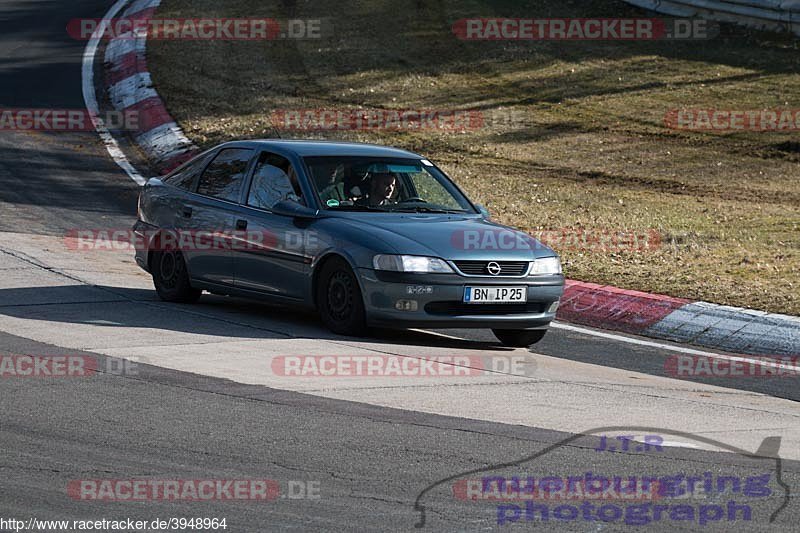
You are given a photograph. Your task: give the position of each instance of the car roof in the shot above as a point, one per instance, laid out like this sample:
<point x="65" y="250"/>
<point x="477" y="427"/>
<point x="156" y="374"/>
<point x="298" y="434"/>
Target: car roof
<point x="304" y="148"/>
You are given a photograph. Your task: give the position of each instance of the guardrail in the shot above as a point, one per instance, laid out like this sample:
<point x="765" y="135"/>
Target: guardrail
<point x="772" y="15"/>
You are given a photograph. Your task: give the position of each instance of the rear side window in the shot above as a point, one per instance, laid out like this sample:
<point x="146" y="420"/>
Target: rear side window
<point x="274" y="180"/>
<point x="223" y="178"/>
<point x="184" y="178"/>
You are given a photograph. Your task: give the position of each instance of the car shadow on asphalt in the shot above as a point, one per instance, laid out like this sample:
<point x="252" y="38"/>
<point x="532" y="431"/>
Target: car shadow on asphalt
<point x="124" y="307"/>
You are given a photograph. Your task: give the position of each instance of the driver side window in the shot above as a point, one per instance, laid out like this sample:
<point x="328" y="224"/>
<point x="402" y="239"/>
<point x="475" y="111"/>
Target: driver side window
<point x="274" y="180"/>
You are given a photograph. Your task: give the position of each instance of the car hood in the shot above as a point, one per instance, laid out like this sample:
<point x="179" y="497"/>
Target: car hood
<point x="453" y="237"/>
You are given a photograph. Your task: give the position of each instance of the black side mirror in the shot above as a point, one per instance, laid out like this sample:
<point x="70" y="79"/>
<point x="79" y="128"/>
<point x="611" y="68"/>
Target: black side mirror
<point x="483" y="211"/>
<point x="288" y="208"/>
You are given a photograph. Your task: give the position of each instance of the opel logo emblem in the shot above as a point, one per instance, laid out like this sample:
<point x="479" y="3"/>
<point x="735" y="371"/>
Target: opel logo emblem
<point x="493" y="268"/>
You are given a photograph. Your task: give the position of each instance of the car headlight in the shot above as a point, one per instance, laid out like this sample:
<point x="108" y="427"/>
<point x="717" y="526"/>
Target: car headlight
<point x="546" y="265"/>
<point x="411" y="263"/>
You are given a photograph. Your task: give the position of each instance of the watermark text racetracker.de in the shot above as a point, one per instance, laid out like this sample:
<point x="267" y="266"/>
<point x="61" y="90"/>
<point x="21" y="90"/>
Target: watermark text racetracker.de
<point x="399" y="366"/>
<point x="43" y="119"/>
<point x="213" y="29"/>
<point x="573" y="239"/>
<point x="731" y="120"/>
<point x="583" y="29"/>
<point x="192" y="490"/>
<point x="120" y="239"/>
<point x="63" y="366"/>
<point x="431" y="120"/>
<point x="743" y="366"/>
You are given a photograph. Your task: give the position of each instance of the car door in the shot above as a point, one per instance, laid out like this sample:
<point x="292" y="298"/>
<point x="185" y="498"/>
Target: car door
<point x="207" y="217"/>
<point x="271" y="257"/>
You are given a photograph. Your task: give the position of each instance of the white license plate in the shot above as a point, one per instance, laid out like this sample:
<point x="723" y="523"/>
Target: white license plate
<point x="479" y="295"/>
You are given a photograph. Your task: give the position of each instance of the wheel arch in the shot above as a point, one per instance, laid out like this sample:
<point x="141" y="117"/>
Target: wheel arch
<point x="153" y="250"/>
<point x="320" y="264"/>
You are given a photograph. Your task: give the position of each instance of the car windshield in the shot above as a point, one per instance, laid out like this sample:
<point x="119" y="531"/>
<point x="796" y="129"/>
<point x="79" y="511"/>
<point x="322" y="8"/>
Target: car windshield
<point x="384" y="185"/>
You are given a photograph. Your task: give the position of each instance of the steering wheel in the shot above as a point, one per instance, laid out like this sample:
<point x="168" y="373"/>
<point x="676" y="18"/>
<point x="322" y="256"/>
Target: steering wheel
<point x="413" y="199"/>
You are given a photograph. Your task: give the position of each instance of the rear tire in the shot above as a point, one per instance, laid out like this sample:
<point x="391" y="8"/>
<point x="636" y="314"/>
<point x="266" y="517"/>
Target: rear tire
<point x="339" y="300"/>
<point x="171" y="278"/>
<point x="519" y="338"/>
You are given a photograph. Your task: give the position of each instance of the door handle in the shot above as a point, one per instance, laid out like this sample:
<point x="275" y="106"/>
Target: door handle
<point x="241" y="224"/>
<point x="186" y="211"/>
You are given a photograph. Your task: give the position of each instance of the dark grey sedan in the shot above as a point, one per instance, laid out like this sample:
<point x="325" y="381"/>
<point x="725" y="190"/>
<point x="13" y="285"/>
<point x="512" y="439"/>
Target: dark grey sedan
<point x="365" y="234"/>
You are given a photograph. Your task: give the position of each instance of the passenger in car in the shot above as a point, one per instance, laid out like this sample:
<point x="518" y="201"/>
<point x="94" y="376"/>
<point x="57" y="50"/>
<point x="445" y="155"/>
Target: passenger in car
<point x="334" y="190"/>
<point x="344" y="186"/>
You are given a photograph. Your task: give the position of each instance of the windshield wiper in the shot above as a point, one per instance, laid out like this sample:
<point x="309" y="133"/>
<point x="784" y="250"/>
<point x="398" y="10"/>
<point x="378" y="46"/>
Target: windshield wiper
<point x="424" y="209"/>
<point x="356" y="207"/>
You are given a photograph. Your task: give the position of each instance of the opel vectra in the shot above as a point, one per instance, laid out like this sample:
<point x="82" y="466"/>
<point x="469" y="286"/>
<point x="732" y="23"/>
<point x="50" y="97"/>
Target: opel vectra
<point x="366" y="235"/>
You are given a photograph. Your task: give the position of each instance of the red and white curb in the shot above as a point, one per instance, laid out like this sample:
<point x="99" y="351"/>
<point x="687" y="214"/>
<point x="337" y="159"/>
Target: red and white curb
<point x="131" y="90"/>
<point x="733" y="329"/>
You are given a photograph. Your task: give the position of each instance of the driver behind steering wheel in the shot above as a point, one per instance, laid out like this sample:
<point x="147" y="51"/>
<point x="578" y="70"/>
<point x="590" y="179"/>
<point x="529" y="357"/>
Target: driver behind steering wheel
<point x="382" y="187"/>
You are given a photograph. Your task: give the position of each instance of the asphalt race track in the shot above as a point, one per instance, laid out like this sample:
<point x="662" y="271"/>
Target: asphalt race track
<point x="200" y="401"/>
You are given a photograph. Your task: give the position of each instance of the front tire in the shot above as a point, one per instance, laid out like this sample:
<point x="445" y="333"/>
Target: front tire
<point x="171" y="278"/>
<point x="341" y="306"/>
<point x="519" y="338"/>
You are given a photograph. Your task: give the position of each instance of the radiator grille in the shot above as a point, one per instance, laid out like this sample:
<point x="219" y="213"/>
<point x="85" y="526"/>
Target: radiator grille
<point x="481" y="268"/>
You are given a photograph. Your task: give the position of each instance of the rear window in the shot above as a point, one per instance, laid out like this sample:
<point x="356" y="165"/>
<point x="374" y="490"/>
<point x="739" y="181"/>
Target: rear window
<point x="184" y="177"/>
<point x="223" y="178"/>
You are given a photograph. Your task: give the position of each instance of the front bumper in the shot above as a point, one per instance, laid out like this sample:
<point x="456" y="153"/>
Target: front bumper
<point x="439" y="300"/>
